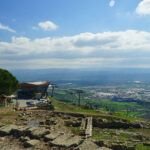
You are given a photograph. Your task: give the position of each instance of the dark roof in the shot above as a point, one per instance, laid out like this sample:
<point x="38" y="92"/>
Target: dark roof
<point x="43" y="83"/>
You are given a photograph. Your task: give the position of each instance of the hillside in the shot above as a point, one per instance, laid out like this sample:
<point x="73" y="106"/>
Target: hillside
<point x="64" y="128"/>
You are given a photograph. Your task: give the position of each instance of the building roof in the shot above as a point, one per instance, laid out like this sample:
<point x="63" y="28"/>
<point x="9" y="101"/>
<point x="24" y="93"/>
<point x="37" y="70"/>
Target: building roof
<point x="41" y="83"/>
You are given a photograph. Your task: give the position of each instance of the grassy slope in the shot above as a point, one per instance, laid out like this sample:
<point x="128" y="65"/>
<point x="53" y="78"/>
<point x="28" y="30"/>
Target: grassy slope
<point x="64" y="107"/>
<point x="132" y="108"/>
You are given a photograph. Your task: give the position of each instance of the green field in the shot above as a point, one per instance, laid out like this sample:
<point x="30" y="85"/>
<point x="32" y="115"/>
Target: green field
<point x="107" y="105"/>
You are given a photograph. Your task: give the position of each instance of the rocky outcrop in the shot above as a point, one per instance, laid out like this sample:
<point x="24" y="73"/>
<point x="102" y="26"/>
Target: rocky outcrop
<point x="1" y="125"/>
<point x="88" y="131"/>
<point x="83" y="124"/>
<point x="24" y="139"/>
<point x="48" y="132"/>
<point x="39" y="133"/>
<point x="31" y="143"/>
<point x="52" y="136"/>
<point x="89" y="145"/>
<point x="51" y="121"/>
<point x="69" y="114"/>
<point x="147" y="143"/>
<point x="6" y="130"/>
<point x="74" y="123"/>
<point x="116" y="146"/>
<point x="115" y="124"/>
<point x="19" y="131"/>
<point x="103" y="148"/>
<point x="66" y="141"/>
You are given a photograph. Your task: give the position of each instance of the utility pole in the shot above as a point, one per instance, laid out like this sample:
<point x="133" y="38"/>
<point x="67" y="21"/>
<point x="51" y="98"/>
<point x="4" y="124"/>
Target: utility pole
<point x="79" y="99"/>
<point x="53" y="87"/>
<point x="79" y="92"/>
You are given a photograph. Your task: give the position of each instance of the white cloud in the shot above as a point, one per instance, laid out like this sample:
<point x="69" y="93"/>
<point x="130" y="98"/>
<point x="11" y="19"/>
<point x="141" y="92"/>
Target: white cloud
<point x="82" y="44"/>
<point x="85" y="49"/>
<point x="3" y="27"/>
<point x="48" y="25"/>
<point x="112" y="3"/>
<point x="143" y="7"/>
<point x="34" y="28"/>
<point x="59" y="63"/>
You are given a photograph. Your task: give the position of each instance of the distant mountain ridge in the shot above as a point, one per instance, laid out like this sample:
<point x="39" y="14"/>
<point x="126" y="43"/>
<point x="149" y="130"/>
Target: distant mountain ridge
<point x="84" y="76"/>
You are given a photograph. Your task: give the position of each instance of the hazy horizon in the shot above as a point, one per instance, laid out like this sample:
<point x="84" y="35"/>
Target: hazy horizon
<point x="84" y="76"/>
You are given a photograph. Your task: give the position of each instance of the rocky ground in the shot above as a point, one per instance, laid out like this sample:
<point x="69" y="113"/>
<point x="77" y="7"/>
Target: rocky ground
<point x="46" y="130"/>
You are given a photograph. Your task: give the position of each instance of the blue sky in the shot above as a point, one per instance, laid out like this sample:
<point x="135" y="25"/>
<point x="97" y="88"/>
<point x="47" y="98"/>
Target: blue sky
<point x="74" y="34"/>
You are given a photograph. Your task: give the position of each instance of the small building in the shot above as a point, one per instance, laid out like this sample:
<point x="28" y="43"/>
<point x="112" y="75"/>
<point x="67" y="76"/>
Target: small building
<point x="33" y="90"/>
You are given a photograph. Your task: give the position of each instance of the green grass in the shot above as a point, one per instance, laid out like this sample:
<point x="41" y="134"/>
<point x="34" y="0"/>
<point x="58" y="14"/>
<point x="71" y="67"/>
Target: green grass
<point x="145" y="132"/>
<point x="60" y="92"/>
<point x="100" y="134"/>
<point x="5" y="114"/>
<point x="124" y="135"/>
<point x="7" y="122"/>
<point x="128" y="117"/>
<point x="141" y="147"/>
<point x="125" y="108"/>
<point x="76" y="130"/>
<point x="65" y="107"/>
<point x="97" y="135"/>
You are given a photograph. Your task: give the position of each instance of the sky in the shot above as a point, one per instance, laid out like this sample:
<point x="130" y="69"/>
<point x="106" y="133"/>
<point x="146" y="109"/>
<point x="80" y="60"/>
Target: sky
<point x="40" y="34"/>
